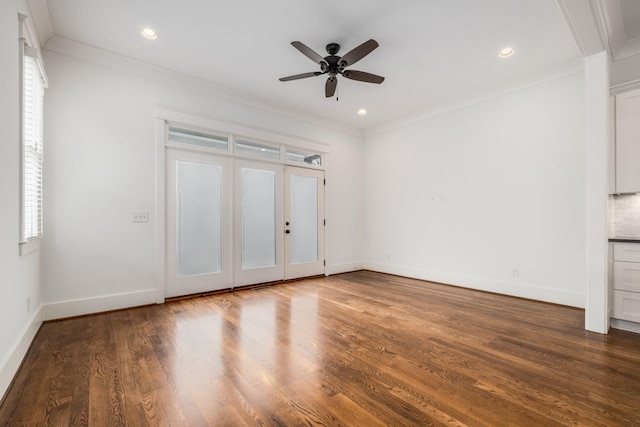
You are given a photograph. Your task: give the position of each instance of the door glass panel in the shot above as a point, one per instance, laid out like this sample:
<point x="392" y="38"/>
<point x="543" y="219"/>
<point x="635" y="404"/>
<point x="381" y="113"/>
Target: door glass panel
<point x="258" y="218"/>
<point x="304" y="157"/>
<point x="256" y="149"/>
<point x="304" y="219"/>
<point x="198" y="138"/>
<point x="199" y="217"/>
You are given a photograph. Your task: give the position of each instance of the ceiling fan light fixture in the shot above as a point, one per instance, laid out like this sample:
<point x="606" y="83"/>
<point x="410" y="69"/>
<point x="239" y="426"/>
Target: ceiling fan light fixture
<point x="149" y="33"/>
<point x="506" y="52"/>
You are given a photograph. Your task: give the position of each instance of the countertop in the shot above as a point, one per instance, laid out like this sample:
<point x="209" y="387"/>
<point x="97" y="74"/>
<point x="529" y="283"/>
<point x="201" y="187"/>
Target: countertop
<point x="623" y="239"/>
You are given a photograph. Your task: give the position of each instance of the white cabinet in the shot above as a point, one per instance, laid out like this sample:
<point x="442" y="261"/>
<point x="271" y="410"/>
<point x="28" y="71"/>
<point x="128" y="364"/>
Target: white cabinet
<point x="626" y="252"/>
<point x="626" y="276"/>
<point x="626" y="305"/>
<point x="627" y="142"/>
<point x="626" y="281"/>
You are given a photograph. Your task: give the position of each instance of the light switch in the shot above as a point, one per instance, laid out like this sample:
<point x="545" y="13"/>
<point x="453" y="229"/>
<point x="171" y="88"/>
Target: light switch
<point x="140" y="217"/>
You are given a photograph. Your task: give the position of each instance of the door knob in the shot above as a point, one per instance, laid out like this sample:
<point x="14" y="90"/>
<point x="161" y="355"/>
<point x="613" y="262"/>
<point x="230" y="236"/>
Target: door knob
<point x="287" y="231"/>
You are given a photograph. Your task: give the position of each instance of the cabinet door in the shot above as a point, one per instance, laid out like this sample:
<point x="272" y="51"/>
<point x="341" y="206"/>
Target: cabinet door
<point x="626" y="276"/>
<point x="628" y="142"/>
<point x="629" y="252"/>
<point x="626" y="305"/>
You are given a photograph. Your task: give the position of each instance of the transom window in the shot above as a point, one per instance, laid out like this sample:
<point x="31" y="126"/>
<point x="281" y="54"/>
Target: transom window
<point x="241" y="147"/>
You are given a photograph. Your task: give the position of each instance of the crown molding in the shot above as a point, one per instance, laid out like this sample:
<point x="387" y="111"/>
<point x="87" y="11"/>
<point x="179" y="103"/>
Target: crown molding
<point x="624" y="87"/>
<point x="90" y="53"/>
<point x="39" y="13"/>
<point x="585" y="23"/>
<point x="562" y="70"/>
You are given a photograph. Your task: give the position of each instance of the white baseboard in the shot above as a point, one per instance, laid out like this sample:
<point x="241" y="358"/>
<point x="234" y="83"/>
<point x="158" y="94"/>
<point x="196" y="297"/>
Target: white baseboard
<point x="11" y="364"/>
<point x="79" y="307"/>
<point x="625" y="325"/>
<point x="343" y="268"/>
<point x="572" y="299"/>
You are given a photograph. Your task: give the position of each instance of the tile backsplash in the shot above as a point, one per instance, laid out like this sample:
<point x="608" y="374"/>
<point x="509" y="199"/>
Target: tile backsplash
<point x="624" y="215"/>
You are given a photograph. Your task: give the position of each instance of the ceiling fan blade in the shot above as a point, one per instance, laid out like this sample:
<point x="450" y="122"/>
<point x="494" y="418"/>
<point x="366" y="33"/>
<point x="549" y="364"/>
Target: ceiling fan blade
<point x="361" y="76"/>
<point x="358" y="53"/>
<point x="308" y="52"/>
<point x="330" y="87"/>
<point x="300" y="76"/>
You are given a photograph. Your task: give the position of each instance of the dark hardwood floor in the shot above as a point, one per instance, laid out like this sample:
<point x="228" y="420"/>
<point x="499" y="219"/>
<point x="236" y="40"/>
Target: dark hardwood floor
<point x="359" y="349"/>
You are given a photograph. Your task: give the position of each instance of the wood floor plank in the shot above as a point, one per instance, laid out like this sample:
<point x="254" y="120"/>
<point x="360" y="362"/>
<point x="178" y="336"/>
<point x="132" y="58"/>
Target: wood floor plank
<point x="356" y="349"/>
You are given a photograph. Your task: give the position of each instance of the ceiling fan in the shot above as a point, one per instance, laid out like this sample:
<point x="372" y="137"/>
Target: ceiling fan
<point x="334" y="65"/>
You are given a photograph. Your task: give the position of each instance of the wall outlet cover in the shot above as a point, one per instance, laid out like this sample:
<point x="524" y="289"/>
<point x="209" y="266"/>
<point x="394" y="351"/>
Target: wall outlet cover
<point x="140" y="217"/>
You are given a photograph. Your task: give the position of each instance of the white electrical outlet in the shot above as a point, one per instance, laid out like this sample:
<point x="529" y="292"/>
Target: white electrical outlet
<point x="140" y="217"/>
<point x="515" y="272"/>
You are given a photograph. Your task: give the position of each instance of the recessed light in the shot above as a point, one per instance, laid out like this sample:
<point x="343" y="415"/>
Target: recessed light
<point x="362" y="112"/>
<point x="507" y="51"/>
<point x="149" y="33"/>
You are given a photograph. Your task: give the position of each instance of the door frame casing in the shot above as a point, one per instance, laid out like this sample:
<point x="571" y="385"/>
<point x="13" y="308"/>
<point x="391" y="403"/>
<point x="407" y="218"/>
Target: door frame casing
<point x="167" y="115"/>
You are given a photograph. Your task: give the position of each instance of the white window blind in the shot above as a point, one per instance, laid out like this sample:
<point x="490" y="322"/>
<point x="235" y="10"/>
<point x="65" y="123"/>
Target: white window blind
<point x="32" y="146"/>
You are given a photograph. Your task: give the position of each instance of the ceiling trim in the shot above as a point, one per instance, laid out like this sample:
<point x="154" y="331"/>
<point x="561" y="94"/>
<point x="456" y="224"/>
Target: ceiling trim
<point x="620" y="46"/>
<point x="41" y="19"/>
<point x="585" y="23"/>
<point x="562" y="70"/>
<point x="112" y="60"/>
<point x="625" y="74"/>
<point x="611" y="17"/>
<point x="624" y="87"/>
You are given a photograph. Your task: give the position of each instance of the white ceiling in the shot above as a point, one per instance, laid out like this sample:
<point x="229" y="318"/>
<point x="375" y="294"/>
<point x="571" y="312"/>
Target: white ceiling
<point x="622" y="22"/>
<point x="432" y="53"/>
<point x="631" y="18"/>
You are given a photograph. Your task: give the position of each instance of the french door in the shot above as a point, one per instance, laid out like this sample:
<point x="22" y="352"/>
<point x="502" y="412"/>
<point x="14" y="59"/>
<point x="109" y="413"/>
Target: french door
<point x="235" y="222"/>
<point x="198" y="223"/>
<point x="304" y="222"/>
<point x="258" y="232"/>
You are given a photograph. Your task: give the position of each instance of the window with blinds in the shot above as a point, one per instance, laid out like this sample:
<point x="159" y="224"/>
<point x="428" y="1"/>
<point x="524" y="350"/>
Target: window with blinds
<point x="32" y="145"/>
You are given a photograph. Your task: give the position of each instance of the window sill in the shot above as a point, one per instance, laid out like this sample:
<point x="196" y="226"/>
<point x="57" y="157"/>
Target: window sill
<point x="29" y="247"/>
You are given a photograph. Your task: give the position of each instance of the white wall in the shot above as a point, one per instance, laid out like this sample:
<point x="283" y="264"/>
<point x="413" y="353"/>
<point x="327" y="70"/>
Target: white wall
<point x="466" y="196"/>
<point x="19" y="275"/>
<point x="100" y="131"/>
